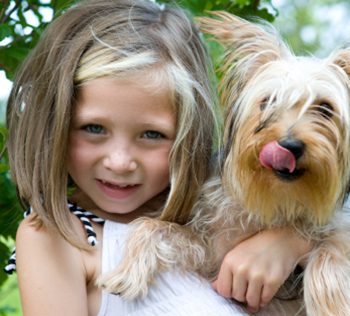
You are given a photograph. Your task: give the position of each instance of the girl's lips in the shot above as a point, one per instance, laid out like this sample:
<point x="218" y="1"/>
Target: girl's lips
<point x="115" y="191"/>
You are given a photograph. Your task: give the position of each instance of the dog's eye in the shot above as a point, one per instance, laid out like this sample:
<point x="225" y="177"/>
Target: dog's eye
<point x="325" y="109"/>
<point x="263" y="103"/>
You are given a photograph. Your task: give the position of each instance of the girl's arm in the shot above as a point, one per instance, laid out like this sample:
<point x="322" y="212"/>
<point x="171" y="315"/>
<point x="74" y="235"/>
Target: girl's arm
<point x="50" y="273"/>
<point x="255" y="269"/>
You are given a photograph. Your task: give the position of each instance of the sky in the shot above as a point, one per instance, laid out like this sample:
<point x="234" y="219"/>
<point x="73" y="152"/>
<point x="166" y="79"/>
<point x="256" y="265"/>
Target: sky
<point x="5" y="86"/>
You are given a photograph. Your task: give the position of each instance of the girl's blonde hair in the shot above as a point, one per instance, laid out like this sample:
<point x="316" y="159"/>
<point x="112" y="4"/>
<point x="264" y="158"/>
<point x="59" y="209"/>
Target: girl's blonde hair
<point x="112" y="38"/>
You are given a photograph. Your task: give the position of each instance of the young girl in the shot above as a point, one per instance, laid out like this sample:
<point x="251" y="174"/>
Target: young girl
<point x="115" y="99"/>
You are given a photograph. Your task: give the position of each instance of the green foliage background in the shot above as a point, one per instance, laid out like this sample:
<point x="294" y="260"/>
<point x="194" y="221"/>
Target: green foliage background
<point x="19" y="34"/>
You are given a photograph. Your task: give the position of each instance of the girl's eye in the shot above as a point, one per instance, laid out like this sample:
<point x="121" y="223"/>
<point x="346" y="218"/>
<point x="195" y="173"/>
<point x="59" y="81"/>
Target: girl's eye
<point x="94" y="128"/>
<point x="152" y="135"/>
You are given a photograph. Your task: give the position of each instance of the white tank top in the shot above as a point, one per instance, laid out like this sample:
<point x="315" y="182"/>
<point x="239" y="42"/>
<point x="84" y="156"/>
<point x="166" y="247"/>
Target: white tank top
<point x="173" y="294"/>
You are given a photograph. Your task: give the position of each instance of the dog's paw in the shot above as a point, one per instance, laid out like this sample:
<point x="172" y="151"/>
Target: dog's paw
<point x="130" y="284"/>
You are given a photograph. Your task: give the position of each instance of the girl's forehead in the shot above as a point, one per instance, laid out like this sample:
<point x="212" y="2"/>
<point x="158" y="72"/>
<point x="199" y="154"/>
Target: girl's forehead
<point x="154" y="77"/>
<point x="127" y="92"/>
<point x="154" y="82"/>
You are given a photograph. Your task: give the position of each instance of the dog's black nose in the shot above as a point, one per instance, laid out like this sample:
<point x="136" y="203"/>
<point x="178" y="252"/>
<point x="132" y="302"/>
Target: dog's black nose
<point x="295" y="146"/>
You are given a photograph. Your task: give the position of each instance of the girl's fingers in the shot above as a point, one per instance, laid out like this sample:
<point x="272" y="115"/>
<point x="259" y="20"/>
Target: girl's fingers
<point x="239" y="288"/>
<point x="223" y="283"/>
<point x="268" y="292"/>
<point x="253" y="295"/>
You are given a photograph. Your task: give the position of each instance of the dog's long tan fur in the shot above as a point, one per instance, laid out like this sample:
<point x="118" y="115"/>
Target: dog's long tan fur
<point x="269" y="95"/>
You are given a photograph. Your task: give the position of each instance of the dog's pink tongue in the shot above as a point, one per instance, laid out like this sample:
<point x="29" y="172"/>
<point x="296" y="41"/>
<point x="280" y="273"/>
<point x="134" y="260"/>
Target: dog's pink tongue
<point x="274" y="156"/>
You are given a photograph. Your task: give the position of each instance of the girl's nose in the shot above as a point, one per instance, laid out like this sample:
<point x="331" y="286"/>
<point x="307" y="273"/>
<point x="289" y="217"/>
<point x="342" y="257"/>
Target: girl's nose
<point x="120" y="161"/>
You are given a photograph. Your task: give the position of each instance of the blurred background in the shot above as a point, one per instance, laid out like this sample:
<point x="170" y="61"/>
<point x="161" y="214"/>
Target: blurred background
<point x="309" y="27"/>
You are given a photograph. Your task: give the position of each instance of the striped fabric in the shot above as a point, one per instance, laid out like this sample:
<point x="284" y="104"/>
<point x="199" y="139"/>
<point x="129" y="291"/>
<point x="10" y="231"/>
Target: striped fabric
<point x="84" y="216"/>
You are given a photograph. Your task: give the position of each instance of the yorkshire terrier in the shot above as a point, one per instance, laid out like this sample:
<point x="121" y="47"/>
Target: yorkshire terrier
<point x="286" y="164"/>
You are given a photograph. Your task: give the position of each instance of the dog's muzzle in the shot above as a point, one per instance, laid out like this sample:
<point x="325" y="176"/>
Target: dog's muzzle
<point x="281" y="157"/>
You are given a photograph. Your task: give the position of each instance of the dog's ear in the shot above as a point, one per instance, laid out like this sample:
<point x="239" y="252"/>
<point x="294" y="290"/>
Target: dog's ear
<point x="341" y="58"/>
<point x="248" y="46"/>
<point x="242" y="37"/>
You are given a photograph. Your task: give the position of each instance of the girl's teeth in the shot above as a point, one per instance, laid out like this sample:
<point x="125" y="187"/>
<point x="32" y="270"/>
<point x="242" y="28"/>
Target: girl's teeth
<point x="116" y="185"/>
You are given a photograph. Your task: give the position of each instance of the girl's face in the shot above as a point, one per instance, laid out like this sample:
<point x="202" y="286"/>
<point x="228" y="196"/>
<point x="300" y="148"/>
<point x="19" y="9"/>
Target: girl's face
<point x="120" y="139"/>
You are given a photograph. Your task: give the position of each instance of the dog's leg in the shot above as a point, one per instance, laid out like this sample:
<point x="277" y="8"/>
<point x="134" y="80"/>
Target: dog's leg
<point x="153" y="246"/>
<point x="327" y="277"/>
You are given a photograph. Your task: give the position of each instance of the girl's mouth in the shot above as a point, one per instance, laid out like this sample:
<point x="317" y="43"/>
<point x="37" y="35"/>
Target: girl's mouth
<point x="117" y="191"/>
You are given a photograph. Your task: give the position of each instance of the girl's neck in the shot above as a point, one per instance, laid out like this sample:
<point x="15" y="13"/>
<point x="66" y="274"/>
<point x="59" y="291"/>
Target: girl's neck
<point x="150" y="209"/>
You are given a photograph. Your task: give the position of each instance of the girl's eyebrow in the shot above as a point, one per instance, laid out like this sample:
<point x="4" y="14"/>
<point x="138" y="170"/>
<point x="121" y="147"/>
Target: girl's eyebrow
<point x="156" y="122"/>
<point x="89" y="115"/>
<point x="160" y="126"/>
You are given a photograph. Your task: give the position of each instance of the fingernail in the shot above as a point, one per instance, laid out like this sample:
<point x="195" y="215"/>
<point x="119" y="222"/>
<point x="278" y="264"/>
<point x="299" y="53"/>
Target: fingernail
<point x="252" y="309"/>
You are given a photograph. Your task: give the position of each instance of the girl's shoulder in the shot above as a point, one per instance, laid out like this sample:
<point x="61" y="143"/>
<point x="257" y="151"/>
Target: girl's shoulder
<point x="33" y="237"/>
<point x="32" y="231"/>
<point x="52" y="271"/>
<point x="44" y="246"/>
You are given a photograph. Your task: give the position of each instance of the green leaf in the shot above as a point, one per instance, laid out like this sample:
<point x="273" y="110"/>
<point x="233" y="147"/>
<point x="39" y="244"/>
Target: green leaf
<point x="59" y="6"/>
<point x="12" y="55"/>
<point x="4" y="255"/>
<point x="266" y="14"/>
<point x="20" y="13"/>
<point x="5" y="31"/>
<point x="3" y="132"/>
<point x="3" y="137"/>
<point x="243" y="3"/>
<point x="4" y="167"/>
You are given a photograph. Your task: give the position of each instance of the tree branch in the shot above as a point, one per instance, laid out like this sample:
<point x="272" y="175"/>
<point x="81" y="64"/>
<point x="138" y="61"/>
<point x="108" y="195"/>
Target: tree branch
<point x="5" y="17"/>
<point x="255" y="4"/>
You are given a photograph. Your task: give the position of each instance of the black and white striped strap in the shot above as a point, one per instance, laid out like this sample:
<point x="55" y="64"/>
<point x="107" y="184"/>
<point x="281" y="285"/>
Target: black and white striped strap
<point x="11" y="263"/>
<point x="85" y="217"/>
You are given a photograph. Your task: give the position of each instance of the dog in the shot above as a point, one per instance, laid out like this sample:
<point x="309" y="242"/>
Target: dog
<point x="286" y="163"/>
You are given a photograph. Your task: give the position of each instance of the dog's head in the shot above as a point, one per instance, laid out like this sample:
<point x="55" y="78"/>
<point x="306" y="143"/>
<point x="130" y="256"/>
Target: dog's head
<point x="286" y="124"/>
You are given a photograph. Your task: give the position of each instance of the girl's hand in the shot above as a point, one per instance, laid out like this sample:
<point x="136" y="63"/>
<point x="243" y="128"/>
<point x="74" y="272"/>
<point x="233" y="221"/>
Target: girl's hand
<point x="255" y="269"/>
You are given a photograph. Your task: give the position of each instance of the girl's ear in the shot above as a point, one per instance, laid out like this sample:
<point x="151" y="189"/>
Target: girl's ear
<point x="341" y="58"/>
